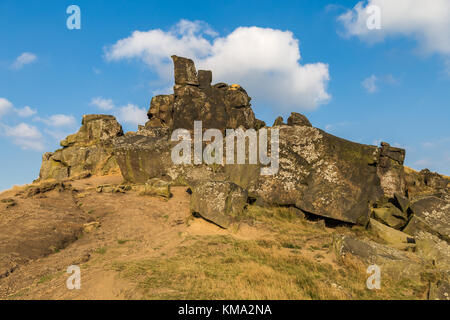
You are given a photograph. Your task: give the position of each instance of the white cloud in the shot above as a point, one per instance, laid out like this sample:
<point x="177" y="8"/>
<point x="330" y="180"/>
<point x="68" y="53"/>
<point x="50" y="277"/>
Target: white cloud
<point x="104" y="104"/>
<point x="428" y="22"/>
<point x="58" y="120"/>
<point x="5" y="106"/>
<point x="25" y="136"/>
<point x="447" y="66"/>
<point x="132" y="114"/>
<point x="437" y="143"/>
<point x="24" y="59"/>
<point x="265" y="61"/>
<point x="373" y="83"/>
<point x="129" y="114"/>
<point x="25" y="112"/>
<point x="23" y="130"/>
<point x="370" y="84"/>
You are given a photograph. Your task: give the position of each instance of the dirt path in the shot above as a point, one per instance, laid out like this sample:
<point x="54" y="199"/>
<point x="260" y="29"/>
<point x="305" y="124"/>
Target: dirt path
<point x="130" y="227"/>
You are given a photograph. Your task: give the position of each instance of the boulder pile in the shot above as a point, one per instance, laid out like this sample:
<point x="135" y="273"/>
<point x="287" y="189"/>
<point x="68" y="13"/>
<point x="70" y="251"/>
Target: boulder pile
<point x="319" y="174"/>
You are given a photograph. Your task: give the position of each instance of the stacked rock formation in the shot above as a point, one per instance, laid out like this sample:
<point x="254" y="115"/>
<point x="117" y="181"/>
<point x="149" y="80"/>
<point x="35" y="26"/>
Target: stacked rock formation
<point x="319" y="174"/>
<point x="218" y="106"/>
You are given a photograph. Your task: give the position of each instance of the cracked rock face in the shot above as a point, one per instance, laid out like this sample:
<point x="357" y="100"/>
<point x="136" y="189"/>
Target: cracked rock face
<point x="390" y="170"/>
<point x="318" y="173"/>
<point x="89" y="151"/>
<point x="431" y="214"/>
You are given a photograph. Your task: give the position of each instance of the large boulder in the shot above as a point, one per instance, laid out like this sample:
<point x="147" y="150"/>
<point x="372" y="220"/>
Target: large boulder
<point x="368" y="251"/>
<point x="430" y="214"/>
<point x="318" y="173"/>
<point x="392" y="237"/>
<point x="221" y="202"/>
<point x="393" y="263"/>
<point x="142" y="157"/>
<point x="89" y="151"/>
<point x="390" y="215"/>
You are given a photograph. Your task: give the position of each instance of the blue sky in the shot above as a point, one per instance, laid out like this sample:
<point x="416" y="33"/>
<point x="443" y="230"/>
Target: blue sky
<point x="367" y="86"/>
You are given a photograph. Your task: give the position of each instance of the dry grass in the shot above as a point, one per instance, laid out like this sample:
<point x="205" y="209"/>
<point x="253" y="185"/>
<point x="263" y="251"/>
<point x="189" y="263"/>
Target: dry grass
<point x="224" y="267"/>
<point x="409" y="170"/>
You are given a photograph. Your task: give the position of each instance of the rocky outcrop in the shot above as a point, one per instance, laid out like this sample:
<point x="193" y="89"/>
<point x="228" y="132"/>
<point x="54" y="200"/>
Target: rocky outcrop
<point x="425" y="183"/>
<point x="318" y="173"/>
<point x="297" y="119"/>
<point x="220" y="106"/>
<point x="89" y="151"/>
<point x="278" y="122"/>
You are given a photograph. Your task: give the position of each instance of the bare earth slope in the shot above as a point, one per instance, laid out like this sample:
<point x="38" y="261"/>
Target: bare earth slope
<point x="130" y="246"/>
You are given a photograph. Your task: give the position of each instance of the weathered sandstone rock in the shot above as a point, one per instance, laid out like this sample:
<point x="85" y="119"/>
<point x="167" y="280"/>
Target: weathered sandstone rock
<point x="297" y="119"/>
<point x="218" y="201"/>
<point x="431" y="214"/>
<point x="89" y="151"/>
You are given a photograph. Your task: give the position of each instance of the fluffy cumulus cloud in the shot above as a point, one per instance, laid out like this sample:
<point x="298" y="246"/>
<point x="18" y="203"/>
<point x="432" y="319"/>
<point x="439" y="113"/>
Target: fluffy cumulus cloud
<point x="373" y="83"/>
<point x="370" y="84"/>
<point x="265" y="61"/>
<point x="58" y="120"/>
<point x="131" y="114"/>
<point x="25" y="112"/>
<point x="101" y="103"/>
<point x="30" y="137"/>
<point x="24" y="59"/>
<point x="25" y="136"/>
<point x="5" y="106"/>
<point x="428" y="22"/>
